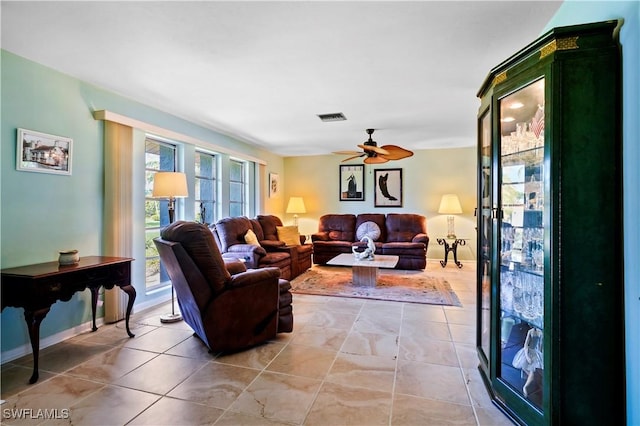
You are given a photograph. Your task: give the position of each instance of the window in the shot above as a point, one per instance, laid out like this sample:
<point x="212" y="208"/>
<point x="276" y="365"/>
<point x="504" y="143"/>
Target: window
<point x="159" y="157"/>
<point x="237" y="188"/>
<point x="206" y="185"/>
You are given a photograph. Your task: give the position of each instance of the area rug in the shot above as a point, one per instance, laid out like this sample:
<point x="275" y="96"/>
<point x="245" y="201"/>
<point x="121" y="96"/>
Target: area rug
<point x="398" y="286"/>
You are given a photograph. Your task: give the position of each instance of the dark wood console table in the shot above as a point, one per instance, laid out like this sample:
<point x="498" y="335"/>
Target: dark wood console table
<point x="36" y="287"/>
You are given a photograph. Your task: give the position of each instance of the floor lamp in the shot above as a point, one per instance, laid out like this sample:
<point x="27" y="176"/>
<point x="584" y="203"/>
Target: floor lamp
<point x="169" y="186"/>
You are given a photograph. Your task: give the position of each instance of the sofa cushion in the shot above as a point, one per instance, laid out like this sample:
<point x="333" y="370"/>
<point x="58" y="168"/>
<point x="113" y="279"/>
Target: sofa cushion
<point x="403" y="249"/>
<point x="377" y="218"/>
<point x="368" y="229"/>
<point x="268" y="224"/>
<point x="257" y="229"/>
<point x="403" y="227"/>
<point x="288" y="234"/>
<point x="251" y="238"/>
<point x="231" y="231"/>
<point x="338" y="227"/>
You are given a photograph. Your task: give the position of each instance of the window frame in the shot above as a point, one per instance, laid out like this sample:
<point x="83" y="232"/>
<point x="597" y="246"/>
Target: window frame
<point x="214" y="181"/>
<point x="244" y="184"/>
<point x="162" y="279"/>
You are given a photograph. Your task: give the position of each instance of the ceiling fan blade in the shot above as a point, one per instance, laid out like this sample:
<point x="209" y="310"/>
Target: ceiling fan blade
<point x="396" y="152"/>
<point x="375" y="160"/>
<point x="375" y="149"/>
<point x="355" y="156"/>
<point x="347" y="152"/>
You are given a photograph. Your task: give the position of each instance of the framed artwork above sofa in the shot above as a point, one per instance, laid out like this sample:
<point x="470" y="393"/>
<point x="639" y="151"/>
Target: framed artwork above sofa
<point x="388" y="187"/>
<point x="352" y="182"/>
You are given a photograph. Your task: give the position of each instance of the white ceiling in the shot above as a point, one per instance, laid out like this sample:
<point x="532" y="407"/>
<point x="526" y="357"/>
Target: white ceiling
<point x="262" y="71"/>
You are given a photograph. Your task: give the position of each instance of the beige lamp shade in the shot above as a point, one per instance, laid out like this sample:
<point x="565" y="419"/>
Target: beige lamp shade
<point x="450" y="204"/>
<point x="296" y="205"/>
<point x="170" y="185"/>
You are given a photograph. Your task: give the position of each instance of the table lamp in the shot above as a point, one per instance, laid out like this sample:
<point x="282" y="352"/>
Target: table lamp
<point x="169" y="186"/>
<point x="450" y="205"/>
<point x="295" y="206"/>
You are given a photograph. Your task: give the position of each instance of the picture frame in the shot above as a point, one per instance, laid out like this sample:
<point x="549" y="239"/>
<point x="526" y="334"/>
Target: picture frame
<point x="274" y="185"/>
<point x="352" y="182"/>
<point x="43" y="153"/>
<point x="388" y="188"/>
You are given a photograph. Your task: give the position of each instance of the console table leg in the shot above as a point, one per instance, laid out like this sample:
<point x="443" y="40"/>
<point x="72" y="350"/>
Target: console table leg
<point x="443" y="263"/>
<point x="131" y="292"/>
<point x="94" y="304"/>
<point x="33" y="320"/>
<point x="455" y="259"/>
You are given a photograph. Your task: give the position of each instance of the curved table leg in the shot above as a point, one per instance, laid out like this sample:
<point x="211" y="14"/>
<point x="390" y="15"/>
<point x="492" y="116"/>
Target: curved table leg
<point x="455" y="258"/>
<point x="447" y="249"/>
<point x="455" y="251"/>
<point x="94" y="303"/>
<point x="33" y="320"/>
<point x="131" y="292"/>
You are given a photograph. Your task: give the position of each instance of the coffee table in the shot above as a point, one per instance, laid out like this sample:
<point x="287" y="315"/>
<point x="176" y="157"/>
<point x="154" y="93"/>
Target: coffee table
<point x="365" y="272"/>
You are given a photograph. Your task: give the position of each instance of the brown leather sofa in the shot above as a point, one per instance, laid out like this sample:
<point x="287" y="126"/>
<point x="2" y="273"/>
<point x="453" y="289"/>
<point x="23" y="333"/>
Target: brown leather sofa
<point x="400" y="234"/>
<point x="230" y="232"/>
<point x="227" y="312"/>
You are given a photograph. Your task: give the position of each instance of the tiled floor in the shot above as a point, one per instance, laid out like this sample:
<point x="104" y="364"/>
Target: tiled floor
<point x="348" y="362"/>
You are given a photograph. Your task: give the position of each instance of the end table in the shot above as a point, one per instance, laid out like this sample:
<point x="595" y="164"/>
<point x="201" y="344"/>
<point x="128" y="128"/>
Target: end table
<point x="451" y="245"/>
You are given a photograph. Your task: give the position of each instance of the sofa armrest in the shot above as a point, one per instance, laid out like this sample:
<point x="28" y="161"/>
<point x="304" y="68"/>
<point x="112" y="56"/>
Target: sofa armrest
<point x="235" y="266"/>
<point x="247" y="248"/>
<point x="250" y="253"/>
<point x="262" y="276"/>
<point x="272" y="245"/>
<point x="421" y="238"/>
<point x="320" y="236"/>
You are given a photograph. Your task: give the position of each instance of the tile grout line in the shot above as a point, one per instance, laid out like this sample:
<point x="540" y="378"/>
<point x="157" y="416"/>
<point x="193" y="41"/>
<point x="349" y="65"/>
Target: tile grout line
<point x="263" y="370"/>
<point x="338" y="352"/>
<point x="395" y="370"/>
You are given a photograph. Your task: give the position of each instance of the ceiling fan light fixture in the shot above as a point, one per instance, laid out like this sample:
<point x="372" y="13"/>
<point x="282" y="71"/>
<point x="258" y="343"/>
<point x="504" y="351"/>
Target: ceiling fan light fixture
<point x="376" y="155"/>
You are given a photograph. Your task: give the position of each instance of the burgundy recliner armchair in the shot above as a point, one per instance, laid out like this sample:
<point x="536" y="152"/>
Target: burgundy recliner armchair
<point x="300" y="254"/>
<point x="227" y="312"/>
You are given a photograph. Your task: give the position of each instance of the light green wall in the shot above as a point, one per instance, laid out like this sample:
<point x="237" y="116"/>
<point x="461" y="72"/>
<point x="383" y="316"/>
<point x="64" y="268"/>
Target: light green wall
<point x="426" y="176"/>
<point x="44" y="213"/>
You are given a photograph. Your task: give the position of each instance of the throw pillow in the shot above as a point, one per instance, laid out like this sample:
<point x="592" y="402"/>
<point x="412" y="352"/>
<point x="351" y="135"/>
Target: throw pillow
<point x="289" y="234"/>
<point x="368" y="229"/>
<point x="251" y="238"/>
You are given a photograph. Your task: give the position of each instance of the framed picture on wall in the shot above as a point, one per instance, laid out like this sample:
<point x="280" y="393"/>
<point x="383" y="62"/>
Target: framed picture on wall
<point x="43" y="153"/>
<point x="352" y="182"/>
<point x="274" y="185"/>
<point x="388" y="187"/>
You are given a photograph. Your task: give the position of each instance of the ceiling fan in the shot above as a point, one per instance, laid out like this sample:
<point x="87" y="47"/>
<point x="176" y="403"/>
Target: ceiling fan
<point x="375" y="154"/>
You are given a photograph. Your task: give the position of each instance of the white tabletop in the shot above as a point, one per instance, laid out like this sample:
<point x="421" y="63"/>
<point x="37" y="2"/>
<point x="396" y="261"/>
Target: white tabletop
<point x="379" y="261"/>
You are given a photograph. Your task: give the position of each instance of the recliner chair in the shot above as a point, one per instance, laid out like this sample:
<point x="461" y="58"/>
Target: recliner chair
<point x="227" y="312"/>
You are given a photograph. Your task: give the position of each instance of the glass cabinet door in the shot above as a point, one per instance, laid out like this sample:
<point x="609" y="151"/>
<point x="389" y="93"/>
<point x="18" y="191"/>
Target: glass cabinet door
<point x="521" y="241"/>
<point x="485" y="237"/>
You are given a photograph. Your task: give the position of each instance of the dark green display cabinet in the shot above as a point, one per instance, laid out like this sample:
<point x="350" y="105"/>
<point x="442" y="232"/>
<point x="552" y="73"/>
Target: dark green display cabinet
<point x="550" y="271"/>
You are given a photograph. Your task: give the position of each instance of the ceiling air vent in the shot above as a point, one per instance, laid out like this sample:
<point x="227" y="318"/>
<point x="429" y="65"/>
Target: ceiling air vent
<point x="336" y="116"/>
